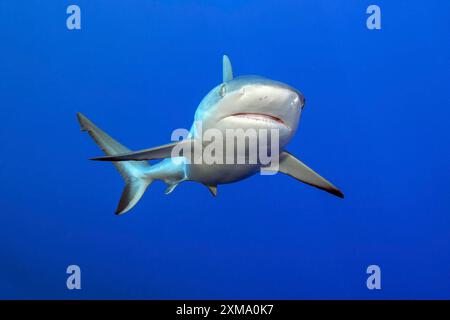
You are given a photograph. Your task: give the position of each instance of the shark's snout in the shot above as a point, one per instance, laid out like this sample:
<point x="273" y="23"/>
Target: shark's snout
<point x="302" y="99"/>
<point x="295" y="97"/>
<point x="263" y="95"/>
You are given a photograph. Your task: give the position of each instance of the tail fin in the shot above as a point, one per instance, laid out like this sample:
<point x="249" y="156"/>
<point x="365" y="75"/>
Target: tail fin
<point x="132" y="171"/>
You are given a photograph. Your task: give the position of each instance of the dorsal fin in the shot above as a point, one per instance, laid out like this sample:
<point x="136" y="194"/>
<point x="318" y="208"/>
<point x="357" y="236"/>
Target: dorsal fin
<point x="227" y="69"/>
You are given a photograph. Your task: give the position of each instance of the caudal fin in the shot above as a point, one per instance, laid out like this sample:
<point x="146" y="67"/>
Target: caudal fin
<point x="132" y="171"/>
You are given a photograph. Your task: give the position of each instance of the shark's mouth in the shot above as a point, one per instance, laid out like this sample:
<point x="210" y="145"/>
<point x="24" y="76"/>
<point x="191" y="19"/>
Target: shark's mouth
<point x="259" y="117"/>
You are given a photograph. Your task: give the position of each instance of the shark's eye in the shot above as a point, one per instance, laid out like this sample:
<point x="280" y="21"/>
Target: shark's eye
<point x="222" y="90"/>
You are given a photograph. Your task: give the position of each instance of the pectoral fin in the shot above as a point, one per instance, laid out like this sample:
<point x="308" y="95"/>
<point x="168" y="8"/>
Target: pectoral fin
<point x="164" y="151"/>
<point x="293" y="167"/>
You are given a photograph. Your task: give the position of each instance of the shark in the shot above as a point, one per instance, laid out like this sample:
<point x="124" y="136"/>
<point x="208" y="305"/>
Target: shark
<point x="243" y="102"/>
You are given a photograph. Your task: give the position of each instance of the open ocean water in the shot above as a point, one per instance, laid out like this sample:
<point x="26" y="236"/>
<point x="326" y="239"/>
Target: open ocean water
<point x="376" y="123"/>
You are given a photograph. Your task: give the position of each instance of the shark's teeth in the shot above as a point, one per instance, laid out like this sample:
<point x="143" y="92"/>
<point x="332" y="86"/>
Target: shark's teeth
<point x="259" y="117"/>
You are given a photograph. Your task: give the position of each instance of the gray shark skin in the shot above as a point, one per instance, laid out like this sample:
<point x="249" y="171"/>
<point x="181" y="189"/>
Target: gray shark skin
<point x="245" y="102"/>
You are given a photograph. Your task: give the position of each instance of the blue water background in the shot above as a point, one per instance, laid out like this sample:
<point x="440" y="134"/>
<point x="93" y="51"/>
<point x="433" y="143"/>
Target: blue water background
<point x="376" y="124"/>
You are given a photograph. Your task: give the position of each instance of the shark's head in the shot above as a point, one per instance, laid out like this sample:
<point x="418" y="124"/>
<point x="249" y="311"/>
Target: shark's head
<point x="252" y="102"/>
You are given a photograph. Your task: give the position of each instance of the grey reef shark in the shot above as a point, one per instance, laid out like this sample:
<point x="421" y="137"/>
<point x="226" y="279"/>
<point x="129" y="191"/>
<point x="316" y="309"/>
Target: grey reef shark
<point x="238" y="103"/>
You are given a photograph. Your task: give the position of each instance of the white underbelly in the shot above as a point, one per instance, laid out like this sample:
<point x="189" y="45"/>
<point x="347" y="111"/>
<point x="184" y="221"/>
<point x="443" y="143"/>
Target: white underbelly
<point x="213" y="174"/>
<point x="240" y="159"/>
